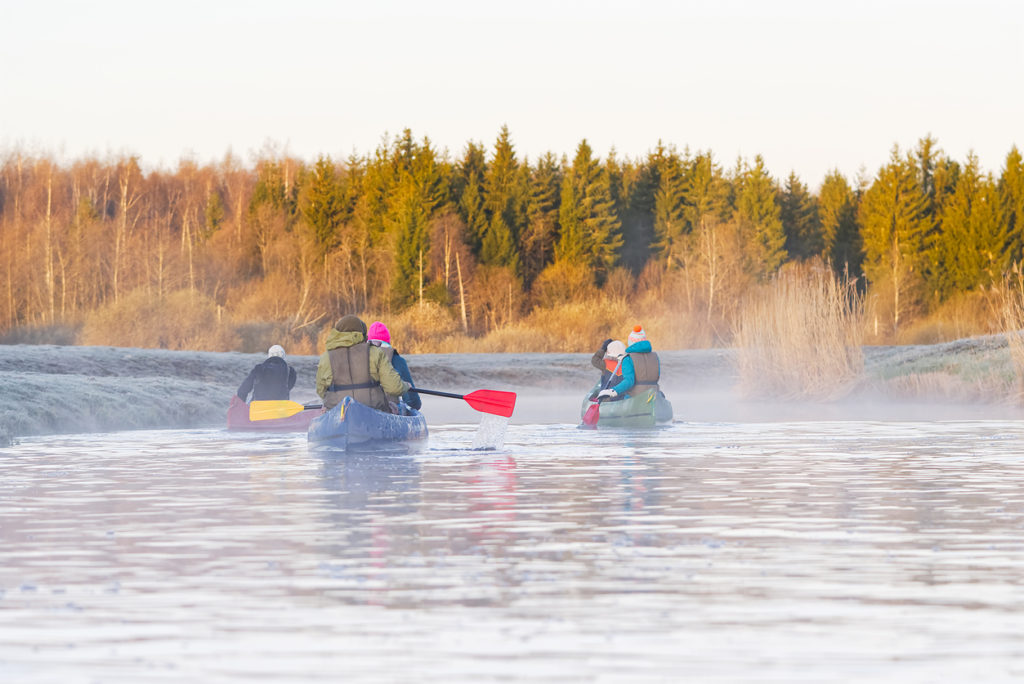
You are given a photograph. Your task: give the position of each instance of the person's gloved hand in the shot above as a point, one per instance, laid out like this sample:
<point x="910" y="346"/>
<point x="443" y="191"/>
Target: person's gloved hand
<point x="604" y="345"/>
<point x="607" y="394"/>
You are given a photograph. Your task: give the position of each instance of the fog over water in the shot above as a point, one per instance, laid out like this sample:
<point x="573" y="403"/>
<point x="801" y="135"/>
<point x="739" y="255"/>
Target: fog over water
<point x="871" y="539"/>
<point x="52" y="389"/>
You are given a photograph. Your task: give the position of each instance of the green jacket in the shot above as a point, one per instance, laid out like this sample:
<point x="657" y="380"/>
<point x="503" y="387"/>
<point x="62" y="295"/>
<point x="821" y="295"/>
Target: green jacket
<point x="381" y="369"/>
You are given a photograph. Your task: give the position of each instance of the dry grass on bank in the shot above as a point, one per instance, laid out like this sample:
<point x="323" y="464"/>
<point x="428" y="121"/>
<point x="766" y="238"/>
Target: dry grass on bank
<point x="801" y="337"/>
<point x="564" y="328"/>
<point x="182" y="320"/>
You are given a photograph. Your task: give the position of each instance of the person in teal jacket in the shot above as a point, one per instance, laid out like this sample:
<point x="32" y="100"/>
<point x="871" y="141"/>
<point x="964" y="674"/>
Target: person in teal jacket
<point x="640" y="366"/>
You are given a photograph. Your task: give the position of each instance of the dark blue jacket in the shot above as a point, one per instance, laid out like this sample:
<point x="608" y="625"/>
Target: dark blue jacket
<point x="411" y="398"/>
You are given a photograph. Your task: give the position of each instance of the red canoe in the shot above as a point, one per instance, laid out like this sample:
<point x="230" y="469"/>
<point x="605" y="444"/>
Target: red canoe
<point x="238" y="419"/>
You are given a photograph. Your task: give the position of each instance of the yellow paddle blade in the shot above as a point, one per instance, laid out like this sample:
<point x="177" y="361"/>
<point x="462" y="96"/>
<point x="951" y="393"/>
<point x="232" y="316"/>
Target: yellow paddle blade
<point x="269" y="410"/>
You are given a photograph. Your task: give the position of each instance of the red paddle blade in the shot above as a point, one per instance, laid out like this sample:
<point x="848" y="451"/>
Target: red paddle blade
<point x="492" y="401"/>
<point x="592" y="414"/>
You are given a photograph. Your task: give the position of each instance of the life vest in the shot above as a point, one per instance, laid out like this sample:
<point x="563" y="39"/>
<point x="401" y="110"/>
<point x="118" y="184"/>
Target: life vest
<point x="350" y="373"/>
<point x="647" y="367"/>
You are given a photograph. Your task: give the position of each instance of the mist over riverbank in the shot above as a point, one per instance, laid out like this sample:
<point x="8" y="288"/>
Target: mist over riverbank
<point x="56" y="389"/>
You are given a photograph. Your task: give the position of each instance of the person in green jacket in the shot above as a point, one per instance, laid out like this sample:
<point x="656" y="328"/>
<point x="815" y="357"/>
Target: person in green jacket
<point x="351" y="367"/>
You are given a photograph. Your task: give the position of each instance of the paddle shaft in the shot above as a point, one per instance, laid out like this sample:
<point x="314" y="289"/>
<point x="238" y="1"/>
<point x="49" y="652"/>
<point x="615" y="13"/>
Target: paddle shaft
<point x="438" y="394"/>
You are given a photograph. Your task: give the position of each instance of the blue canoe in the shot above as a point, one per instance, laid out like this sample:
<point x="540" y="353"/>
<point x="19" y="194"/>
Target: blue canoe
<point x="354" y="426"/>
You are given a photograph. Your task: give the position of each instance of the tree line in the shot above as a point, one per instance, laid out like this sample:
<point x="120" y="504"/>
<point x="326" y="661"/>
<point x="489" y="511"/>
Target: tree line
<point x="486" y="237"/>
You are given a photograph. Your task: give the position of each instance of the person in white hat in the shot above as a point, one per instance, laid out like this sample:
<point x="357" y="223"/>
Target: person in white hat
<point x="609" y="359"/>
<point x="637" y="365"/>
<point x="270" y="380"/>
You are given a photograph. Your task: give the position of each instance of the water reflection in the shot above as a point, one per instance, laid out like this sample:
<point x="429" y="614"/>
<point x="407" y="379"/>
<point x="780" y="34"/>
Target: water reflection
<point x="817" y="551"/>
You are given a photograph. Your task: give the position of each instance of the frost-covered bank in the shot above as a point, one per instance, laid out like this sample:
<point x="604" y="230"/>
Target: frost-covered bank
<point x="52" y="389"/>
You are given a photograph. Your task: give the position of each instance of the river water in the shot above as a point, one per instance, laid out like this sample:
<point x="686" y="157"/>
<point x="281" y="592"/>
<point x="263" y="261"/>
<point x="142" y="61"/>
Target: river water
<point x="802" y="551"/>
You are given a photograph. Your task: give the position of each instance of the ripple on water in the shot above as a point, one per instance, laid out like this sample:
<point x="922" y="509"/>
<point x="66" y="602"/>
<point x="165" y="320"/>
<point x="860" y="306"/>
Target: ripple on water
<point x="795" y="551"/>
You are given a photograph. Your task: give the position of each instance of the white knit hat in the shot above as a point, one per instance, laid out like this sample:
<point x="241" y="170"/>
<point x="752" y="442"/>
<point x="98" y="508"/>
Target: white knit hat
<point x="276" y="350"/>
<point x="616" y="350"/>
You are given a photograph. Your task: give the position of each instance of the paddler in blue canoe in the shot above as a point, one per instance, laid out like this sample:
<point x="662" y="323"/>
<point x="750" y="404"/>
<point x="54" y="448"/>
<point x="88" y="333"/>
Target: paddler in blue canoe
<point x="380" y="336"/>
<point x="628" y="367"/>
<point x="353" y="367"/>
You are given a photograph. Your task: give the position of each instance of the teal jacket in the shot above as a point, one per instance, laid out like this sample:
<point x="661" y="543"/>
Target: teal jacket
<point x="627" y="370"/>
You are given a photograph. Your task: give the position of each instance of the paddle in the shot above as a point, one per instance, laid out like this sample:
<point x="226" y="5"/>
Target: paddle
<point x="279" y="408"/>
<point x="485" y="401"/>
<point x="593" y="413"/>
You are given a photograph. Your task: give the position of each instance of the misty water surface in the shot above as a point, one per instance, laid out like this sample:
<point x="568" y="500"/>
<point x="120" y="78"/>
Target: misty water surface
<point x="854" y="551"/>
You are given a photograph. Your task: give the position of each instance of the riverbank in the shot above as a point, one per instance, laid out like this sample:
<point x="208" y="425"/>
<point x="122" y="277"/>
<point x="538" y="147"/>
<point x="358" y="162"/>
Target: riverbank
<point x="59" y="389"/>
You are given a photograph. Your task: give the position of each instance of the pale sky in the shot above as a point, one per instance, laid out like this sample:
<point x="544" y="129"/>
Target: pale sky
<point x="810" y="85"/>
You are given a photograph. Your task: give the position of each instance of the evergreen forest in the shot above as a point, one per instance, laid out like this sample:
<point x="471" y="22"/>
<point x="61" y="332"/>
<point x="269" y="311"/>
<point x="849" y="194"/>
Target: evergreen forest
<point x="488" y="250"/>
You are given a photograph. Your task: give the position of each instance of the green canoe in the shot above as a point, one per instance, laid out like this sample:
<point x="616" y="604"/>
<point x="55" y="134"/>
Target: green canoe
<point x="638" y="409"/>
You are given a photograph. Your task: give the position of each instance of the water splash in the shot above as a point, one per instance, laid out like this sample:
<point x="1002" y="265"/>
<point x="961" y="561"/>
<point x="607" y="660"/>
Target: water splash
<point x="491" y="433"/>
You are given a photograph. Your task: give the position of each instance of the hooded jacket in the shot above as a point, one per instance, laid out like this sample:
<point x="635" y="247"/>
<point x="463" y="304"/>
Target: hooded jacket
<point x="370" y="377"/>
<point x="640" y="367"/>
<point x="271" y="380"/>
<point x="411" y="398"/>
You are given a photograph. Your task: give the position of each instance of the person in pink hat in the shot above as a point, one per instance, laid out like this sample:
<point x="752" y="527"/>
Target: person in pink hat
<point x="380" y="336"/>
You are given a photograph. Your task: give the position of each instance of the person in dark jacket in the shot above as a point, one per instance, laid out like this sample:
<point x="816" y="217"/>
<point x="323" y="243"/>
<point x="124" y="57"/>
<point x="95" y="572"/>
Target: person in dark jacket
<point x="271" y="380"/>
<point x="608" y="363"/>
<point x="380" y="336"/>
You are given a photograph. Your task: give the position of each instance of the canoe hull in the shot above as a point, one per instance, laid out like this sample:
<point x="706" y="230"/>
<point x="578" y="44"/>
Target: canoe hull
<point x="238" y="419"/>
<point x="643" y="409"/>
<point x="352" y="426"/>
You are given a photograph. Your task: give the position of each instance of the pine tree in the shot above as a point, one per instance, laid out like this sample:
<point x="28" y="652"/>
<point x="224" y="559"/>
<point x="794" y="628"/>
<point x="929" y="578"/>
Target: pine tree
<point x="538" y="240"/>
<point x="320" y="202"/>
<point x="590" y="227"/>
<point x="639" y="186"/>
<point x="894" y="223"/>
<point x="670" y="225"/>
<point x="973" y="237"/>
<point x="798" y="211"/>
<point x="706" y="191"/>
<point x="927" y="157"/>
<point x="758" y="214"/>
<point x="419" y="191"/>
<point x="1011" y="202"/>
<point x="504" y="203"/>
<point x="602" y="225"/>
<point x="840" y="234"/>
<point x="468" y="188"/>
<point x="498" y="247"/>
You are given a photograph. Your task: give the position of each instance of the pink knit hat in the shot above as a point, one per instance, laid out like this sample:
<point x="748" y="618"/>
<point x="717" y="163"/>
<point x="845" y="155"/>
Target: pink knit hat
<point x="379" y="331"/>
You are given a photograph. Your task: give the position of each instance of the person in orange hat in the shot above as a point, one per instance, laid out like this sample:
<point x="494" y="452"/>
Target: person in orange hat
<point x="640" y="366"/>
